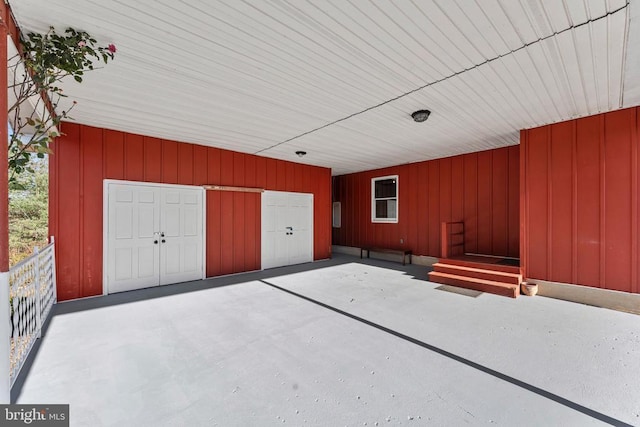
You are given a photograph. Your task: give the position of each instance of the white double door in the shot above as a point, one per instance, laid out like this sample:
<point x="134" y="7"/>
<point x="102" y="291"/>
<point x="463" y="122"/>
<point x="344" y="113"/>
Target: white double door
<point x="287" y="228"/>
<point x="154" y="235"/>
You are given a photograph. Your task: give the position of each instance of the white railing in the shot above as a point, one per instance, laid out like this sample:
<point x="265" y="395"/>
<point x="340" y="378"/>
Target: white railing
<point x="32" y="294"/>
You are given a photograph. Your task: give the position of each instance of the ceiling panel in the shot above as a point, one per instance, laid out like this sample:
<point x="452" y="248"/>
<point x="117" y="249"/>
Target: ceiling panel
<point x="631" y="93"/>
<point x="340" y="78"/>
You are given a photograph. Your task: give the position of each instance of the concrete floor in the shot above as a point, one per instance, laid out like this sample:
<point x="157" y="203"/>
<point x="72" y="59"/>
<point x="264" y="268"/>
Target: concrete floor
<point x="339" y="342"/>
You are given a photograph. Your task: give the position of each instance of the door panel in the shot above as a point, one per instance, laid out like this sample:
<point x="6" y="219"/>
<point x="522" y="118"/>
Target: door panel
<point x="300" y="213"/>
<point x="274" y="244"/>
<point x="181" y="222"/>
<point x="132" y="256"/>
<point x="147" y="261"/>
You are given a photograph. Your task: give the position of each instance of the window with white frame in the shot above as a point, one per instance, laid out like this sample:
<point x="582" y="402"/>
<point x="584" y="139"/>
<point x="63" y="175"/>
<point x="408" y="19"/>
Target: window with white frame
<point x="384" y="199"/>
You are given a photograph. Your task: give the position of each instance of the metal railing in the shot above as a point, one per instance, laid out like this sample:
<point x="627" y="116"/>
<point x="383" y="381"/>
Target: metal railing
<point x="32" y="294"/>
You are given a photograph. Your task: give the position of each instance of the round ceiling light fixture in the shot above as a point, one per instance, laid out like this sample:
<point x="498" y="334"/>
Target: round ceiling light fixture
<point x="301" y="153"/>
<point x="421" y="115"/>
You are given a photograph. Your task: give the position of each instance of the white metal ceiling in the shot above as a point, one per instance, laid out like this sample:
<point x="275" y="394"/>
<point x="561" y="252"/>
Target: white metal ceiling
<point x="340" y="78"/>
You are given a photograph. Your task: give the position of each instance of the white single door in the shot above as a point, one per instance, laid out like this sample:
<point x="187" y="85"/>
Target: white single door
<point x="287" y="228"/>
<point x="300" y="238"/>
<point x="133" y="251"/>
<point x="180" y="235"/>
<point x="154" y="235"/>
<point x="274" y="232"/>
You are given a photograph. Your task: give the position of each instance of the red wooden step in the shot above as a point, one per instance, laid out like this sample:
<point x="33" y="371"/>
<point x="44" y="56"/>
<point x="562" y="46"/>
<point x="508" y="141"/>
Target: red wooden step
<point x="478" y="273"/>
<point x="490" y="286"/>
<point x="476" y="264"/>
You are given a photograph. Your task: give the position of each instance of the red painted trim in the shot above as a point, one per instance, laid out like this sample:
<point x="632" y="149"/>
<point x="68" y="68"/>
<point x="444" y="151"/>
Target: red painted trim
<point x="4" y="154"/>
<point x="524" y="208"/>
<point x="549" y="224"/>
<point x="10" y="26"/>
<point x="635" y="286"/>
<point x="574" y="202"/>
<point x="603" y="249"/>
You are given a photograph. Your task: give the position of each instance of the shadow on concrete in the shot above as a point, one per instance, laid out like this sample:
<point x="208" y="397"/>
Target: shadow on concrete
<point x="415" y="271"/>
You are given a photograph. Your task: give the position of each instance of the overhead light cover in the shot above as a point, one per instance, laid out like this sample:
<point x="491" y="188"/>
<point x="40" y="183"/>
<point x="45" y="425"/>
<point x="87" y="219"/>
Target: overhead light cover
<point x="421" y="115"/>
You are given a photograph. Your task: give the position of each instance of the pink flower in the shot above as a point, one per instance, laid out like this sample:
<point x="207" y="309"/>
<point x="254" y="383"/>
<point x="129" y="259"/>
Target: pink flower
<point x="82" y="43"/>
<point x="112" y="48"/>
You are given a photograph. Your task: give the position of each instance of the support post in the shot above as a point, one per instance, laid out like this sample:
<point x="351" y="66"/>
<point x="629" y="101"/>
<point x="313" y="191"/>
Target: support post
<point x="444" y="240"/>
<point x="5" y="324"/>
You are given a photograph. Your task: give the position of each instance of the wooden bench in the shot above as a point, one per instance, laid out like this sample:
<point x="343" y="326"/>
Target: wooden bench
<point x="403" y="252"/>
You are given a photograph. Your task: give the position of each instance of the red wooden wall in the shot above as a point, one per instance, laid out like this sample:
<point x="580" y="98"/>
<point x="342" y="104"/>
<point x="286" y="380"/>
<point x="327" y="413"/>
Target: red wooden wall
<point x="481" y="189"/>
<point x="86" y="155"/>
<point x="580" y="201"/>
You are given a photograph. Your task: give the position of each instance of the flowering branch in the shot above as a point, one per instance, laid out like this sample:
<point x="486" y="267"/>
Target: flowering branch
<point x="44" y="62"/>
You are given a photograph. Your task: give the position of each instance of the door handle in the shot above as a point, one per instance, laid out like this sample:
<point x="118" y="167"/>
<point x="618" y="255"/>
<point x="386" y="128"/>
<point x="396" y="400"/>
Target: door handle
<point x="155" y="242"/>
<point x="164" y="241"/>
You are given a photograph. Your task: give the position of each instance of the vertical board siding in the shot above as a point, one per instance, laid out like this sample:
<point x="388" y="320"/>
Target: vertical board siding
<point x="471" y="203"/>
<point x="185" y="164"/>
<point x="169" y="162"/>
<point x="91" y="202"/>
<point x="133" y="157"/>
<point x="475" y="188"/>
<point x="152" y="159"/>
<point x="513" y="193"/>
<point x="68" y="249"/>
<point x="581" y="198"/>
<point x="86" y="155"/>
<point x="423" y="206"/>
<point x="617" y="189"/>
<point x="588" y="201"/>
<point x="500" y="199"/>
<point x="485" y="206"/>
<point x="537" y="203"/>
<point x="433" y="216"/>
<point x="560" y="174"/>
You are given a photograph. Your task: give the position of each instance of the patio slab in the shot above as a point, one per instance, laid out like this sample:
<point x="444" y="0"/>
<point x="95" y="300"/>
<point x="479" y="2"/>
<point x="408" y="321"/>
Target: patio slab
<point x="389" y="347"/>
